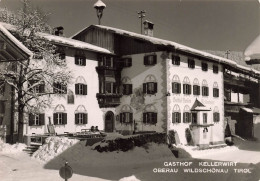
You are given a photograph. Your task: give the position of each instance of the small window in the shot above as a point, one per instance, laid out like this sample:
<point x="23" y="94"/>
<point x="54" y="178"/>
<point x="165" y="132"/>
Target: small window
<point x="106" y="61"/>
<point x="191" y="63"/>
<point x="59" y="88"/>
<point x="126" y="117"/>
<point x="205" y="118"/>
<point x="127" y="89"/>
<point x="81" y="118"/>
<point x="215" y="69"/>
<point x="150" y="88"/>
<point x="187" y="89"/>
<point x="126" y="62"/>
<point x="2" y="107"/>
<point x="176" y="87"/>
<point x="81" y="89"/>
<point x="205" y="91"/>
<point x="149" y="118"/>
<point x="204" y="66"/>
<point x="215" y="92"/>
<point x="176" y="117"/>
<point x="176" y="60"/>
<point x="186" y="117"/>
<point x="150" y="59"/>
<point x="196" y="90"/>
<point x="36" y="119"/>
<point x="216" y="117"/>
<point x="60" y="118"/>
<point x="79" y="60"/>
<point x="36" y="86"/>
<point x="70" y="97"/>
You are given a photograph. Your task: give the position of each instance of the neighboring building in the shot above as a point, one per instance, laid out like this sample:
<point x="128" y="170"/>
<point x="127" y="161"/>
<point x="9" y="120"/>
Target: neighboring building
<point x="11" y="50"/>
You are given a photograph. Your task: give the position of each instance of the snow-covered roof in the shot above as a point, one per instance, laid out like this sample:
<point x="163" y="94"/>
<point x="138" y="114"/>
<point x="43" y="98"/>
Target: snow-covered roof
<point x="253" y="50"/>
<point x="99" y="3"/>
<point x="158" y="41"/>
<point x="198" y="106"/>
<point x="63" y="41"/>
<point x="15" y="41"/>
<point x="74" y="43"/>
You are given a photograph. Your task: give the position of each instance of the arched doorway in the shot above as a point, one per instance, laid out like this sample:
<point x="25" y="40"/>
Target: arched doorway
<point x="109" y="121"/>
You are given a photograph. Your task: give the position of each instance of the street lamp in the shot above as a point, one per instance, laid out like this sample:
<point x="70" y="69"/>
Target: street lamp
<point x="99" y="6"/>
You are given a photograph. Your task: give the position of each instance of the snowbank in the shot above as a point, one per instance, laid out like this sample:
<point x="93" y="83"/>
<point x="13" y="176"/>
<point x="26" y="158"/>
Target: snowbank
<point x="7" y="148"/>
<point x="53" y="146"/>
<point x="131" y="178"/>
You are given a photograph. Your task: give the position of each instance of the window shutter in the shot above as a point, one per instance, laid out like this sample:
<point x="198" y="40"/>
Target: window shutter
<point x="145" y="60"/>
<point x="131" y="117"/>
<point x="121" y="117"/>
<point x="154" y="59"/>
<point x="207" y="91"/>
<point x="64" y="88"/>
<point x="41" y="88"/>
<point x="184" y="91"/>
<point x="179" y="87"/>
<point x="42" y="119"/>
<point x="55" y="118"/>
<point x="154" y="121"/>
<point x="217" y="92"/>
<point x="31" y="121"/>
<point x="84" y="61"/>
<point x="173" y="91"/>
<point x="55" y="87"/>
<point x="76" y="60"/>
<point x="124" y="89"/>
<point x="184" y="117"/>
<point x="144" y="88"/>
<point x="76" y="118"/>
<point x="189" y="89"/>
<point x="76" y="89"/>
<point x="173" y="117"/>
<point x="85" y="89"/>
<point x="198" y="89"/>
<point x="155" y="87"/>
<point x="85" y="118"/>
<point x="64" y="118"/>
<point x="179" y="115"/>
<point x="144" y="118"/>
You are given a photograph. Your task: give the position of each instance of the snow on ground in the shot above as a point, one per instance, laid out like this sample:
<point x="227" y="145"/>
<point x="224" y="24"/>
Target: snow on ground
<point x="15" y="148"/>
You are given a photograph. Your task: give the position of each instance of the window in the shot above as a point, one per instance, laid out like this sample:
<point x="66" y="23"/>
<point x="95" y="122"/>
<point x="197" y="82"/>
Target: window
<point x="186" y="86"/>
<point x="110" y="87"/>
<point x="215" y="90"/>
<point x="176" y="114"/>
<point x="36" y="86"/>
<point x="36" y="119"/>
<point x="81" y="118"/>
<point x="80" y="60"/>
<point x="127" y="89"/>
<point x="2" y="87"/>
<point x="204" y="66"/>
<point x="205" y="118"/>
<point x="70" y="97"/>
<point x="216" y="117"/>
<point x="81" y="89"/>
<point x="150" y="59"/>
<point x="150" y="118"/>
<point x="205" y="89"/>
<point x="2" y="107"/>
<point x="126" y="117"/>
<point x="60" y="118"/>
<point x="176" y="60"/>
<point x="106" y="61"/>
<point x="215" y="69"/>
<point x="191" y="63"/>
<point x="150" y="88"/>
<point x="59" y="88"/>
<point x="196" y="90"/>
<point x="194" y="119"/>
<point x="186" y="114"/>
<point x="126" y="62"/>
<point x="227" y="94"/>
<point x="176" y="85"/>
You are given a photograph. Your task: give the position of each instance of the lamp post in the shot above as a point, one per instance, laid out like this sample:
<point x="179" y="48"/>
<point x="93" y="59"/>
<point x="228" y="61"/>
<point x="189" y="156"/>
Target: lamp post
<point x="99" y="6"/>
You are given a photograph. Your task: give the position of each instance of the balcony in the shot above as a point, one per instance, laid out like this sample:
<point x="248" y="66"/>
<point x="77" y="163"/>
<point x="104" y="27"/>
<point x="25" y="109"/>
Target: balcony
<point x="108" y="99"/>
<point x="232" y="80"/>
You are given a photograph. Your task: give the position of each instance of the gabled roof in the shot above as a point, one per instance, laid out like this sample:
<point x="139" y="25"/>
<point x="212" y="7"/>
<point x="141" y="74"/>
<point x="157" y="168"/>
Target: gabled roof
<point x="253" y="50"/>
<point x="15" y="41"/>
<point x="198" y="106"/>
<point x="167" y="43"/>
<point x="64" y="41"/>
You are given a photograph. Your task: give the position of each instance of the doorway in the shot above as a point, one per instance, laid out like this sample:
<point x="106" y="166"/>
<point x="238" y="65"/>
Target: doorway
<point x="109" y="122"/>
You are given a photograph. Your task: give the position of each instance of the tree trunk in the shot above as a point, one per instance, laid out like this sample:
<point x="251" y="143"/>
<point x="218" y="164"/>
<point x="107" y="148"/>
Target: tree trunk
<point x="20" y="119"/>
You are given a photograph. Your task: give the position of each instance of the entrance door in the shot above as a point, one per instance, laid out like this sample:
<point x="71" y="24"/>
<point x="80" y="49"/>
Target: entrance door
<point x="109" y="121"/>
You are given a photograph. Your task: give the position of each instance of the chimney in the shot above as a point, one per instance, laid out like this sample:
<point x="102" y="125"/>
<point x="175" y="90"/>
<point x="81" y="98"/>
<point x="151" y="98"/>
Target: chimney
<point x="58" y="31"/>
<point x="148" y="28"/>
